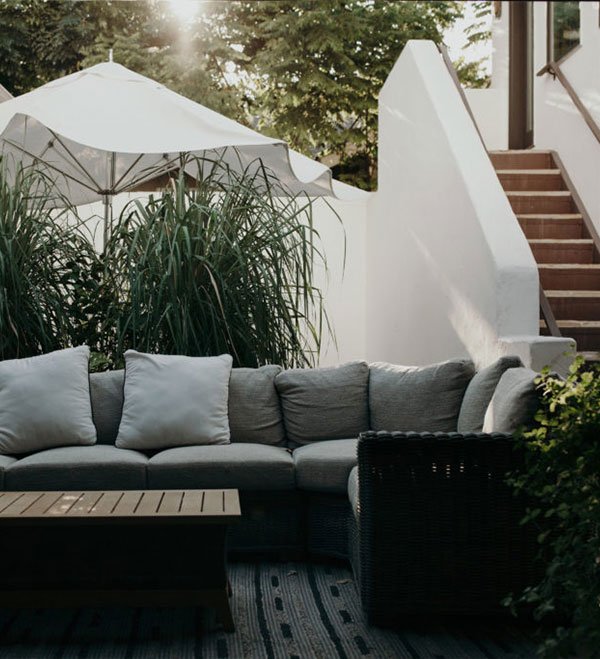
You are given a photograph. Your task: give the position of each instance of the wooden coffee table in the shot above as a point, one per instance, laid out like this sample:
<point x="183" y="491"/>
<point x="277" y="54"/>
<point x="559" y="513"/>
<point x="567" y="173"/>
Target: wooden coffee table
<point x="126" y="548"/>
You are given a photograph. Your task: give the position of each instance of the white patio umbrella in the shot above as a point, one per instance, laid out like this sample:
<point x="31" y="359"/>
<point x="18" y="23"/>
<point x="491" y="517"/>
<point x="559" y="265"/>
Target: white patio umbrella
<point x="107" y="130"/>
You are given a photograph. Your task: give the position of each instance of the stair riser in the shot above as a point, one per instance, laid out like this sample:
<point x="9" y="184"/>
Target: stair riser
<point x="586" y="339"/>
<point x="522" y="160"/>
<point x="541" y="204"/>
<point x="562" y="254"/>
<point x="569" y="280"/>
<point x="531" y="182"/>
<point x="575" y="308"/>
<point x="560" y="229"/>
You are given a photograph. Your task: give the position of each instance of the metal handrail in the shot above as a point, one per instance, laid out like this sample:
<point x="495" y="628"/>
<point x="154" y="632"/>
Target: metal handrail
<point x="553" y="68"/>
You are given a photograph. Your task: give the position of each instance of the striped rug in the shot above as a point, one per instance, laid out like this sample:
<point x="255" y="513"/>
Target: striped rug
<point x="282" y="611"/>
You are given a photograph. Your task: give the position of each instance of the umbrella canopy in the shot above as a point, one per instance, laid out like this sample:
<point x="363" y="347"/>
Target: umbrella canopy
<point x="106" y="130"/>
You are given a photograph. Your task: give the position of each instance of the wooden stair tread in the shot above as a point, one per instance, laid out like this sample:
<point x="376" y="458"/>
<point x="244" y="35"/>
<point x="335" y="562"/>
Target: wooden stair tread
<point x="561" y="241"/>
<point x="555" y="293"/>
<point x="566" y="266"/>
<point x="528" y="172"/>
<point x="537" y="193"/>
<point x="543" y="152"/>
<point x="549" y="216"/>
<point x="575" y="324"/>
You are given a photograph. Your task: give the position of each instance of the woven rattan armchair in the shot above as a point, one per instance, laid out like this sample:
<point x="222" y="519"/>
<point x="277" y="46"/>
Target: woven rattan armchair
<point x="438" y="530"/>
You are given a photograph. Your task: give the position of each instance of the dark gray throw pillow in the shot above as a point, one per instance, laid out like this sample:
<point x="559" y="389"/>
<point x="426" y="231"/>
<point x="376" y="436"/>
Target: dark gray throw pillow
<point x="418" y="398"/>
<point x="324" y="403"/>
<point x="254" y="408"/>
<point x="106" y="390"/>
<point x="480" y="391"/>
<point x="514" y="402"/>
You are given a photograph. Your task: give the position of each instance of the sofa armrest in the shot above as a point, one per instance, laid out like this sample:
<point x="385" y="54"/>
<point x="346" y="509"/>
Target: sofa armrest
<point x="440" y="530"/>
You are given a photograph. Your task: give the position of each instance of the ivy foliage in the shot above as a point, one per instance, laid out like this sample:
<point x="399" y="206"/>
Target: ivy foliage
<point x="562" y="479"/>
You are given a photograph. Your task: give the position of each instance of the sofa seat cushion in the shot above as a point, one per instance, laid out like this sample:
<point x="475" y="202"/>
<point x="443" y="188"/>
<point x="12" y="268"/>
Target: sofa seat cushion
<point x="325" y="466"/>
<point x="353" y="491"/>
<point x="95" y="467"/>
<point x="251" y="467"/>
<point x="5" y="462"/>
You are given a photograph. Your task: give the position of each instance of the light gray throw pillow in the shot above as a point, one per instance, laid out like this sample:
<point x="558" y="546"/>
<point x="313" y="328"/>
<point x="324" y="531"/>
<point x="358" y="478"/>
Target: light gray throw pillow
<point x="45" y="402"/>
<point x="324" y="403"/>
<point x="514" y="402"/>
<point x="480" y="391"/>
<point x="254" y="409"/>
<point x="418" y="398"/>
<point x="173" y="400"/>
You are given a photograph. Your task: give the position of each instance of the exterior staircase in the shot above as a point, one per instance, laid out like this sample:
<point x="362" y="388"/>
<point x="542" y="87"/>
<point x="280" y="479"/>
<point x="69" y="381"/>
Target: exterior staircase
<point x="563" y="241"/>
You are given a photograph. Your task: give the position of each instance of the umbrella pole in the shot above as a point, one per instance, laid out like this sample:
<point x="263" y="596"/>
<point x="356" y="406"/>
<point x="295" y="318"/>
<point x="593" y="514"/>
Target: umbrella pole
<point x="108" y="201"/>
<point x="108" y="218"/>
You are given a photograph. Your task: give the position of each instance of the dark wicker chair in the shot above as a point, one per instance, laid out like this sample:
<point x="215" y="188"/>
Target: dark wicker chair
<point x="438" y="530"/>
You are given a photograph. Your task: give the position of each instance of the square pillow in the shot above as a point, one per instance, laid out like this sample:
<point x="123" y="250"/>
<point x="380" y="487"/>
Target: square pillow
<point x="45" y="402"/>
<point x="418" y="398"/>
<point x="514" y="402"/>
<point x="480" y="391"/>
<point x="173" y="400"/>
<point x="254" y="408"/>
<point x="324" y="403"/>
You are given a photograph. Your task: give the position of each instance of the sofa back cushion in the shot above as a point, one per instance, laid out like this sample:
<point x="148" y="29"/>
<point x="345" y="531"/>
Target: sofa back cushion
<point x="254" y="408"/>
<point x="106" y="390"/>
<point x="514" y="402"/>
<point x="45" y="402"/>
<point x="324" y="403"/>
<point x="479" y="393"/>
<point x="418" y="398"/>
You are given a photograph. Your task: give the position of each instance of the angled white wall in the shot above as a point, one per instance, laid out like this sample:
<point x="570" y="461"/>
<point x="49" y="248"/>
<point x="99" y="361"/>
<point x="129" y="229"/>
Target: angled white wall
<point x="449" y="271"/>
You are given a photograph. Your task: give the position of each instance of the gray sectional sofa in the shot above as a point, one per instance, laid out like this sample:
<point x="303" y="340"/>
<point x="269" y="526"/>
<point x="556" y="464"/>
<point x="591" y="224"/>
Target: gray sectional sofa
<point x="293" y="443"/>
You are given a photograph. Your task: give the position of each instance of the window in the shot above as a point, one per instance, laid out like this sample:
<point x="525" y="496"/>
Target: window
<point x="563" y="29"/>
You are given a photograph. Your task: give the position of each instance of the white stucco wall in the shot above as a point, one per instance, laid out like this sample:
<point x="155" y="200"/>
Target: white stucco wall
<point x="558" y="123"/>
<point x="449" y="271"/>
<point x="490" y="106"/>
<point x="343" y="233"/>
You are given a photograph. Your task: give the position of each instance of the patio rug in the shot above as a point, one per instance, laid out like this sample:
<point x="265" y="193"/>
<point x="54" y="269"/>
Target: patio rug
<point x="282" y="610"/>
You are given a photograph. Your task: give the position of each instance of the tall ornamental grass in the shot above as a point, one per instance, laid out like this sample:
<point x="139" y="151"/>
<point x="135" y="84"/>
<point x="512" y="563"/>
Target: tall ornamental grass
<point x="223" y="266"/>
<point x="45" y="264"/>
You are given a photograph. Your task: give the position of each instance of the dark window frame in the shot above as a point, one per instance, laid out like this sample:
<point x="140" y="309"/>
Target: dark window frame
<point x="550" y="34"/>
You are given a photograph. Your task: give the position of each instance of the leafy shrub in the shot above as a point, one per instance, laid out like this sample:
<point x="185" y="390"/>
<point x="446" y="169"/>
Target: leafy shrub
<point x="562" y="478"/>
<point x="225" y="266"/>
<point x="45" y="262"/>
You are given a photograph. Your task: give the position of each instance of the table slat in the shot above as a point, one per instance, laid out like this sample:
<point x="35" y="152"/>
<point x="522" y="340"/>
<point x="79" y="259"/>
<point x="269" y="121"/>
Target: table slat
<point x="232" y="502"/>
<point x="18" y="506"/>
<point x="84" y="505"/>
<point x="192" y="502"/>
<point x="44" y="503"/>
<point x="213" y="502"/>
<point x="8" y="499"/>
<point x="171" y="503"/>
<point x="64" y="504"/>
<point x="106" y="503"/>
<point x="149" y="503"/>
<point x="127" y="503"/>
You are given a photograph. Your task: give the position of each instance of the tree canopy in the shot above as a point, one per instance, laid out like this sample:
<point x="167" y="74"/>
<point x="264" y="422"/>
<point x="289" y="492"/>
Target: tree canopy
<point x="307" y="71"/>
